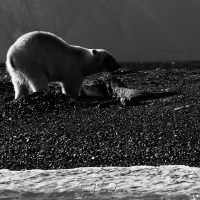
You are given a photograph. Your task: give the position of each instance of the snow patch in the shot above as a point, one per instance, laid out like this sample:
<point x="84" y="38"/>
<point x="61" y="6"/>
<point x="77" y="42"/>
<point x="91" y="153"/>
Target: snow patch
<point x="147" y="182"/>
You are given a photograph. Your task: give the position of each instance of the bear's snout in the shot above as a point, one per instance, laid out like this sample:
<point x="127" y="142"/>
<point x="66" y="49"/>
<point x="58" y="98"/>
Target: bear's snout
<point x="114" y="66"/>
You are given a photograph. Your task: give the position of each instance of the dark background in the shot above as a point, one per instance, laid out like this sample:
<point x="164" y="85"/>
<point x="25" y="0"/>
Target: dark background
<point x="132" y="30"/>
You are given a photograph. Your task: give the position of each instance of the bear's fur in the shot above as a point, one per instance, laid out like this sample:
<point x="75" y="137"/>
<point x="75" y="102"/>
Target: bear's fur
<point x="38" y="58"/>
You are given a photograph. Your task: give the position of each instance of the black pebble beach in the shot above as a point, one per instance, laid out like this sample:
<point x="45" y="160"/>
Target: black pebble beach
<point x="48" y="130"/>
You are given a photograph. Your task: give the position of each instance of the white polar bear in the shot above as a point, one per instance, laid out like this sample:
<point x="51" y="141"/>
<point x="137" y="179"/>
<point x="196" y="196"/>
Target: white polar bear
<point x="38" y="58"/>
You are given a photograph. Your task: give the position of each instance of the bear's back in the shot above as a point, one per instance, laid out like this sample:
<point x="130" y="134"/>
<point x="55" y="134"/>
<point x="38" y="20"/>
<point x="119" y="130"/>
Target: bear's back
<point x="38" y="39"/>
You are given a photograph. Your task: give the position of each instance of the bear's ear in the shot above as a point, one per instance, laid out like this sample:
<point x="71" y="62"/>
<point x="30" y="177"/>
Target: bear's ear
<point x="95" y="52"/>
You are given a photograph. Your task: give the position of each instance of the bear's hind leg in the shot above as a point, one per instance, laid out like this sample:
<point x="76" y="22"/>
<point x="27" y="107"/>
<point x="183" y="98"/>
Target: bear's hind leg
<point x="21" y="87"/>
<point x="38" y="84"/>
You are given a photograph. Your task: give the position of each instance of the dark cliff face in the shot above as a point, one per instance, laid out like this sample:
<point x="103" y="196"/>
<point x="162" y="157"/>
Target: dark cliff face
<point x="131" y="30"/>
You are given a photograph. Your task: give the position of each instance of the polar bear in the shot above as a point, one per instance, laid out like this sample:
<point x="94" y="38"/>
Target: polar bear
<point x="38" y="58"/>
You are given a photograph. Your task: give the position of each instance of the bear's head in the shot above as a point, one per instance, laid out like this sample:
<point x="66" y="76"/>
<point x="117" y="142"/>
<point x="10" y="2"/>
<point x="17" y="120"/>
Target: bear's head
<point x="105" y="62"/>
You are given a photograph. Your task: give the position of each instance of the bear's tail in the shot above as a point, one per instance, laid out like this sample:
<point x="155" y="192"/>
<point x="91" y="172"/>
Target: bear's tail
<point x="10" y="63"/>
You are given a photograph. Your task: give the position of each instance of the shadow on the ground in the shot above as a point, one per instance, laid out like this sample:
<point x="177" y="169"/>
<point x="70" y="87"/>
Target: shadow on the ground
<point x="142" y="100"/>
<point x="158" y="95"/>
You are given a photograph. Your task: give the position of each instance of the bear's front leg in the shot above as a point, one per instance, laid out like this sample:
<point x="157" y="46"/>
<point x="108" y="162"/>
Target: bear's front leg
<point x="72" y="87"/>
<point x="83" y="91"/>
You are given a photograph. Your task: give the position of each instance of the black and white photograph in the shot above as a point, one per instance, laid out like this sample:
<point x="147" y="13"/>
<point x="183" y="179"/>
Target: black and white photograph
<point x="99" y="99"/>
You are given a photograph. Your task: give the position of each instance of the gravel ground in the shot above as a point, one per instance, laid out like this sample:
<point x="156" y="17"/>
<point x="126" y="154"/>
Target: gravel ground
<point x="49" y="130"/>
